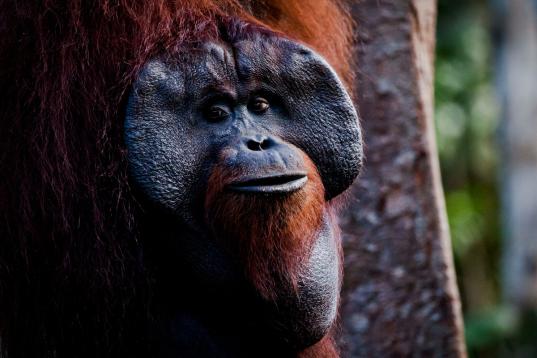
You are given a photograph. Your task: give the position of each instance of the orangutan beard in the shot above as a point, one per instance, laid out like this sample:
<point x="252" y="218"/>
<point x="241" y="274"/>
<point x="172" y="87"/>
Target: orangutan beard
<point x="271" y="235"/>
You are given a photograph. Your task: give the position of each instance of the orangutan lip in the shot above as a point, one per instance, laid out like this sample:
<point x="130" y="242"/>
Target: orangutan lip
<point x="286" y="183"/>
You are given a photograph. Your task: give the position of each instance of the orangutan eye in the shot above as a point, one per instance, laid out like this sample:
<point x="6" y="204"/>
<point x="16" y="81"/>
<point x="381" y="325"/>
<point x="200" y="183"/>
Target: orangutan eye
<point x="216" y="113"/>
<point x="259" y="105"/>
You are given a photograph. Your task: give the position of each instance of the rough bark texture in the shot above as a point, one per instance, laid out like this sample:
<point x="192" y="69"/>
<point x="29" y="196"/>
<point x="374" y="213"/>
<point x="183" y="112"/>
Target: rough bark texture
<point x="399" y="296"/>
<point x="518" y="89"/>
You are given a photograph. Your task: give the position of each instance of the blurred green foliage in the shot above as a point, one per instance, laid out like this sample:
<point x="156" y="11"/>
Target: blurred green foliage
<point x="467" y="117"/>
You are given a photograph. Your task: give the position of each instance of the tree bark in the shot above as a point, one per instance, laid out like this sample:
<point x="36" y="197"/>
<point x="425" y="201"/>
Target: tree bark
<point x="400" y="296"/>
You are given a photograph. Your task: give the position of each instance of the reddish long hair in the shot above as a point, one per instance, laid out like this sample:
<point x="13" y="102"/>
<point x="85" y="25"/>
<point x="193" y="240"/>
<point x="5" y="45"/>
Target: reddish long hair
<point x="72" y="276"/>
<point x="272" y="235"/>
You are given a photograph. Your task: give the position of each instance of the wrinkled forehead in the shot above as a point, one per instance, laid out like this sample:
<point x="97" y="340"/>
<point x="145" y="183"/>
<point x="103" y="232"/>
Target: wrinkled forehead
<point x="220" y="66"/>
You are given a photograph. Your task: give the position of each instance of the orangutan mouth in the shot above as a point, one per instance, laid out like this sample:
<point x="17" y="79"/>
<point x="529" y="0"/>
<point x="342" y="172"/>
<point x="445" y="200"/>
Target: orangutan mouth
<point x="275" y="184"/>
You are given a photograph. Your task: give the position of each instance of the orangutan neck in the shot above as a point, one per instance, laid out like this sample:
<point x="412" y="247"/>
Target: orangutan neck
<point x="221" y="315"/>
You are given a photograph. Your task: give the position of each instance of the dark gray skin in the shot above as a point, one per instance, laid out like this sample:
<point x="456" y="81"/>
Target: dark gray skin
<point x="259" y="98"/>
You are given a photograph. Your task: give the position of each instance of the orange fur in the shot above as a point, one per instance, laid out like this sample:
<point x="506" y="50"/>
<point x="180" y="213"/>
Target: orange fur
<point x="322" y="24"/>
<point x="69" y="220"/>
<point x="272" y="234"/>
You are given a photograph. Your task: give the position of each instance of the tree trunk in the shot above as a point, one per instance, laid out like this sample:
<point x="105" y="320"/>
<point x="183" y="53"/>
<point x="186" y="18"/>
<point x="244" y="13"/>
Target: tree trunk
<point x="400" y="296"/>
<point x="518" y="90"/>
